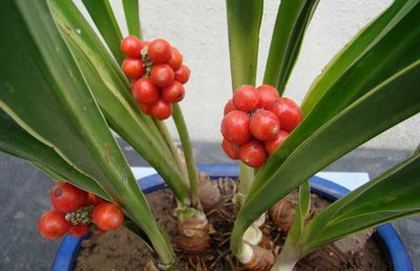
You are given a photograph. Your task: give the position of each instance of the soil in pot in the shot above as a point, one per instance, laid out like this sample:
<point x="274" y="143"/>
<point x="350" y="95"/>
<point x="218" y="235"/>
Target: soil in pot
<point x="123" y="250"/>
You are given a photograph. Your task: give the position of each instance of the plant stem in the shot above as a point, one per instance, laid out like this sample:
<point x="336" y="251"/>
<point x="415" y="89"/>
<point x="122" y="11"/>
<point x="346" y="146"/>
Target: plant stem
<point x="163" y="129"/>
<point x="246" y="174"/>
<point x="288" y="258"/>
<point x="188" y="152"/>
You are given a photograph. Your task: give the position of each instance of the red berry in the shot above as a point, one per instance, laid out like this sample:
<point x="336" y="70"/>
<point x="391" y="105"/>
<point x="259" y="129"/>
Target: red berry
<point x="273" y="145"/>
<point x="235" y="127"/>
<point x="107" y="216"/>
<point x="95" y="200"/>
<point x="133" y="67"/>
<point x="53" y="225"/>
<point x="159" y="51"/>
<point x="173" y="93"/>
<point x="229" y="107"/>
<point x="79" y="230"/>
<point x="145" y="91"/>
<point x="182" y="75"/>
<point x="268" y="96"/>
<point x="131" y="46"/>
<point x="67" y="198"/>
<point x="176" y="59"/>
<point x="146" y="109"/>
<point x="264" y="125"/>
<point x="162" y="75"/>
<point x="288" y="113"/>
<point x="253" y="153"/>
<point x="230" y="149"/>
<point x="161" y="110"/>
<point x="245" y="98"/>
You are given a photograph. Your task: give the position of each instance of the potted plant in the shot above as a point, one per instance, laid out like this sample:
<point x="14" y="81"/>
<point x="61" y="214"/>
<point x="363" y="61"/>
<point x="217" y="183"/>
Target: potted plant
<point x="62" y="92"/>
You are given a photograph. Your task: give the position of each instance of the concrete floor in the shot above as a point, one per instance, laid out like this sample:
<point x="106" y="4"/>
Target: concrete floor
<point x="24" y="196"/>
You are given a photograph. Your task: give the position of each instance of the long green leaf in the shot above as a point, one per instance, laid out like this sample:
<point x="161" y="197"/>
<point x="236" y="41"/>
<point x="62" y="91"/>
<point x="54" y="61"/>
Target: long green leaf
<point x="49" y="98"/>
<point x="293" y="18"/>
<point x="390" y="196"/>
<point x="384" y="106"/>
<point x="115" y="104"/>
<point x="132" y="17"/>
<point x="17" y="142"/>
<point x="244" y="22"/>
<point x="353" y="74"/>
<point x="378" y="51"/>
<point x="102" y="15"/>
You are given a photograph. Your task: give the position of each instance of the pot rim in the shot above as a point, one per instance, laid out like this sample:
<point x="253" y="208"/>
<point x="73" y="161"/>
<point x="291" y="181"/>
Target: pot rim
<point x="386" y="235"/>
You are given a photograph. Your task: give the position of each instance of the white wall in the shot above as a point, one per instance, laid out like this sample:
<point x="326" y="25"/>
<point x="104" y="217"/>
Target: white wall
<point x="198" y="29"/>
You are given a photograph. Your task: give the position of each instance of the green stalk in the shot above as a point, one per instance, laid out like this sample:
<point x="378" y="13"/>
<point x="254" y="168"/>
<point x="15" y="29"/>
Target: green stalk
<point x="169" y="142"/>
<point x="246" y="174"/>
<point x="188" y="153"/>
<point x="244" y="21"/>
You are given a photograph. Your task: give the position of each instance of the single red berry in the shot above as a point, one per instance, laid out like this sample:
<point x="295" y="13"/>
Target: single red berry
<point x="146" y="109"/>
<point x="95" y="200"/>
<point x="67" y="198"/>
<point x="159" y="51"/>
<point x="176" y="59"/>
<point x="253" y="153"/>
<point x="145" y="92"/>
<point x="182" y="75"/>
<point x="162" y="75"/>
<point x="230" y="149"/>
<point x="161" y="110"/>
<point x="107" y="216"/>
<point x="53" y="225"/>
<point x="229" y="107"/>
<point x="131" y="46"/>
<point x="245" y="98"/>
<point x="79" y="230"/>
<point x="268" y="96"/>
<point x="288" y="113"/>
<point x="235" y="127"/>
<point x="133" y="67"/>
<point x="273" y="145"/>
<point x="173" y="93"/>
<point x="264" y="125"/>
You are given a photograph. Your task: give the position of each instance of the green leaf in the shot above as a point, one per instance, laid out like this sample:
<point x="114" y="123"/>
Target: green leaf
<point x="17" y="142"/>
<point x="244" y="22"/>
<point x="48" y="97"/>
<point x="351" y="75"/>
<point x="116" y="105"/>
<point x="390" y="196"/>
<point x="382" y="48"/>
<point x="293" y="18"/>
<point x="132" y="17"/>
<point x="101" y="13"/>
<point x="384" y="106"/>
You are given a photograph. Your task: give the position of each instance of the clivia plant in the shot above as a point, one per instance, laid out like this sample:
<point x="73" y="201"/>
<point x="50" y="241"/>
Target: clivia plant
<point x="63" y="90"/>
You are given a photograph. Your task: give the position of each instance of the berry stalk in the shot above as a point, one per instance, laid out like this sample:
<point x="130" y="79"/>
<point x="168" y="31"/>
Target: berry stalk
<point x="188" y="153"/>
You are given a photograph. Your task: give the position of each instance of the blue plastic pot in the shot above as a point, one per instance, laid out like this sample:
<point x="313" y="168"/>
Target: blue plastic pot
<point x="385" y="235"/>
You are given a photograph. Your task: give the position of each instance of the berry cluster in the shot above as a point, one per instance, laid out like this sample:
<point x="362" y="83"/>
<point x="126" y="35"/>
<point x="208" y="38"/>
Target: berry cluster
<point x="73" y="210"/>
<point x="256" y="123"/>
<point x="157" y="74"/>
